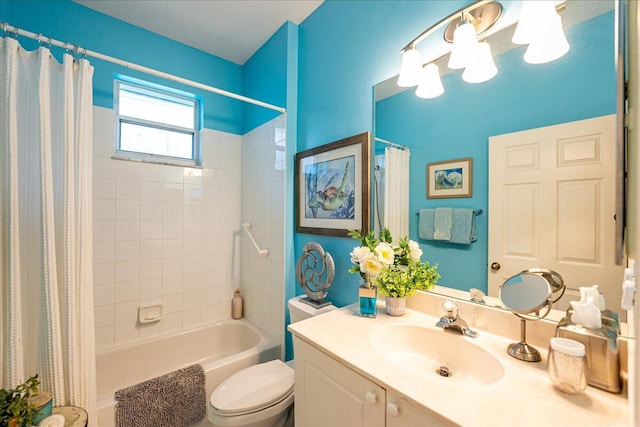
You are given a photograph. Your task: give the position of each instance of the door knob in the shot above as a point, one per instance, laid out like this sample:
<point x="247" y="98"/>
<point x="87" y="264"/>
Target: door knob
<point x="495" y="266"/>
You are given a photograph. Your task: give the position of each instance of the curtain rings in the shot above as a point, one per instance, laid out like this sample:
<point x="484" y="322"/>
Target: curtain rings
<point x="81" y="52"/>
<point x="44" y="41"/>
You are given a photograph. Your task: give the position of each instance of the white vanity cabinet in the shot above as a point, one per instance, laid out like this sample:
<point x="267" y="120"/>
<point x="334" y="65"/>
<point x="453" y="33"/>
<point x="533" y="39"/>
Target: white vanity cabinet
<point x="327" y="393"/>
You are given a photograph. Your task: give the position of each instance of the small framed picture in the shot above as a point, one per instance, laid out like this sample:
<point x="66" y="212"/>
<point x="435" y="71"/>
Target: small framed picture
<point x="332" y="187"/>
<point x="449" y="179"/>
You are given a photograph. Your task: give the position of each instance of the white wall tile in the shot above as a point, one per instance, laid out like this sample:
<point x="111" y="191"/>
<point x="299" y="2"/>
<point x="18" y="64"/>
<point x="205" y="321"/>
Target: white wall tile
<point x="104" y="316"/>
<point x="127" y="190"/>
<point x="127" y="170"/>
<point x="126" y="332"/>
<point x="151" y="190"/>
<point x="127" y="291"/>
<point x="104" y="295"/>
<point x="104" y="231"/>
<point x="151" y="172"/>
<point x="151" y="248"/>
<point x="151" y="268"/>
<point x="150" y="288"/>
<point x="172" y="323"/>
<point x="165" y="232"/>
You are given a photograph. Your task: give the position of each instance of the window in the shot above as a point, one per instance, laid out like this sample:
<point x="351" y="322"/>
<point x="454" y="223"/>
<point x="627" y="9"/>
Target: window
<point x="156" y="124"/>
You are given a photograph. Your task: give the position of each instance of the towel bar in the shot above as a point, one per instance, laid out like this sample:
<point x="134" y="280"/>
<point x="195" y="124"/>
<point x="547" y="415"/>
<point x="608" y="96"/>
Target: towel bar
<point x="476" y="212"/>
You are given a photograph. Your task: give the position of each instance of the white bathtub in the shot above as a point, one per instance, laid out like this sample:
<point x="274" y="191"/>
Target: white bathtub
<point x="221" y="348"/>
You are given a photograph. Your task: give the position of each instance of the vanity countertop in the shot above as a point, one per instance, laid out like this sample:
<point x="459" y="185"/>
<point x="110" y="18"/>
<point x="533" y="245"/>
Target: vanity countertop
<point x="524" y="396"/>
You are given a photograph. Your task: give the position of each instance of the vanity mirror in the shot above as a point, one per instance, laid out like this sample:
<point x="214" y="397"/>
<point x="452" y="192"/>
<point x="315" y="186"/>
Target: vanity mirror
<point x="581" y="85"/>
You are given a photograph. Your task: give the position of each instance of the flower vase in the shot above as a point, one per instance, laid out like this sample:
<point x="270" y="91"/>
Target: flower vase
<point x="396" y="306"/>
<point x="368" y="297"/>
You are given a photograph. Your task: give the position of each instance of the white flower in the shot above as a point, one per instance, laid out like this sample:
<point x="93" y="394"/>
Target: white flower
<point x="414" y="251"/>
<point x="371" y="266"/>
<point x="385" y="253"/>
<point x="358" y="253"/>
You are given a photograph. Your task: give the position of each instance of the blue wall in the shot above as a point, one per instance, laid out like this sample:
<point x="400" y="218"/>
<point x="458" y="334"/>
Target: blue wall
<point x="346" y="47"/>
<point x="459" y="123"/>
<point x="349" y="46"/>
<point x="68" y="21"/>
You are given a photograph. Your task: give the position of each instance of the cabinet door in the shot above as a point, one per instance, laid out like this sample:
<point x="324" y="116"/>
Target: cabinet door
<point x="402" y="413"/>
<point x="328" y="393"/>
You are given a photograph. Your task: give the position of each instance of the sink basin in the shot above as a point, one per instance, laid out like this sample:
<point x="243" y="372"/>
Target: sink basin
<point x="423" y="351"/>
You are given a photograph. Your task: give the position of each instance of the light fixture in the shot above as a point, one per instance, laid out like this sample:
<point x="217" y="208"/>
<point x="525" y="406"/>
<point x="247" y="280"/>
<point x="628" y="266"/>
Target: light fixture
<point x="540" y="27"/>
<point x="411" y="68"/>
<point x="430" y="85"/>
<point x="481" y="66"/>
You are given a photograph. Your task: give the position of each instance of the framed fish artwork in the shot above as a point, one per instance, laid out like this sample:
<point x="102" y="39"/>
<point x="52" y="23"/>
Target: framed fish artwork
<point x="332" y="187"/>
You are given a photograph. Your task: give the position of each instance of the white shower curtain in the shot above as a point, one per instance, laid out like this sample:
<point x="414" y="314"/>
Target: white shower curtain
<point x="396" y="201"/>
<point x="47" y="321"/>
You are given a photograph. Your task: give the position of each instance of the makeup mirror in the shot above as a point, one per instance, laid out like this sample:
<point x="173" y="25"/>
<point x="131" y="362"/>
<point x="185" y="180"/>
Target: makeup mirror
<point x="530" y="295"/>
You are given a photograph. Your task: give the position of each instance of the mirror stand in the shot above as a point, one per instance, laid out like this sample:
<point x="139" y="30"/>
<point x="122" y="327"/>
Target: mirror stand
<point x="521" y="350"/>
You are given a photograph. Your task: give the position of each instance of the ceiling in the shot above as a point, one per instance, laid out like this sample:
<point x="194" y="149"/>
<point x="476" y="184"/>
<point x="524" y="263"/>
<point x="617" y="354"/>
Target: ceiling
<point x="230" y="29"/>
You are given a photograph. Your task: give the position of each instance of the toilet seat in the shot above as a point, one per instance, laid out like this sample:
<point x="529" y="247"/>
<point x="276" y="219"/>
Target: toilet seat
<point x="253" y="389"/>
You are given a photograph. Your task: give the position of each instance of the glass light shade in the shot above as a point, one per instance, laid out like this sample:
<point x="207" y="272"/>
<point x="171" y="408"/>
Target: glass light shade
<point x="482" y="67"/>
<point x="549" y="45"/>
<point x="465" y="44"/>
<point x="411" y="68"/>
<point x="534" y="18"/>
<point x="430" y="85"/>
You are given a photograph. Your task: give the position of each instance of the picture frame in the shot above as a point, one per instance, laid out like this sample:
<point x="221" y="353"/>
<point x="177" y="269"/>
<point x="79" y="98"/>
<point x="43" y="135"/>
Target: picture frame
<point x="332" y="187"/>
<point x="449" y="179"/>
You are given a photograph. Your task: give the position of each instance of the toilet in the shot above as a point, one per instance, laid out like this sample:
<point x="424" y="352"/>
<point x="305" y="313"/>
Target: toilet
<point x="260" y="395"/>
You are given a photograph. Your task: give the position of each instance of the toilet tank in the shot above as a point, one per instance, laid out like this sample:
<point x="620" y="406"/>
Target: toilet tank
<point x="299" y="310"/>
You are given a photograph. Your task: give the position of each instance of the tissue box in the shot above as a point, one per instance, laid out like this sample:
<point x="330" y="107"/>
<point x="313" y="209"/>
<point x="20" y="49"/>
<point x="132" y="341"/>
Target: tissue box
<point x="601" y="345"/>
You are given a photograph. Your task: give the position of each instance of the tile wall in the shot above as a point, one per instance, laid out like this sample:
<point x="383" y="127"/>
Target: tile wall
<point x="263" y="205"/>
<point x="172" y="234"/>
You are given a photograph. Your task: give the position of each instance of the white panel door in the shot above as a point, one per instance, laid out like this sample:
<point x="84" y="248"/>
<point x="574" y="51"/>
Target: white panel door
<point x="551" y="204"/>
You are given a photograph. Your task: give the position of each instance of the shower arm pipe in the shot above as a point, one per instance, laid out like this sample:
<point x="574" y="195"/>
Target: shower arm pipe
<point x="263" y="252"/>
<point x="130" y="65"/>
<point x="392" y="144"/>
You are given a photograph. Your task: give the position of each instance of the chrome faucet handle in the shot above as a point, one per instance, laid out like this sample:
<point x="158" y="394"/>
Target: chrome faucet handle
<point x="450" y="310"/>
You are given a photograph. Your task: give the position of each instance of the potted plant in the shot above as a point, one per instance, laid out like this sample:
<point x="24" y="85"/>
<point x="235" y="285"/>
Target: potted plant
<point x="15" y="408"/>
<point x="396" y="270"/>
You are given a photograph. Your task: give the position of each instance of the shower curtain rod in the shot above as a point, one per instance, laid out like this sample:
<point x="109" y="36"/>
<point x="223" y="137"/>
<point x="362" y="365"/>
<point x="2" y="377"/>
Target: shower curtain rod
<point x="392" y="144"/>
<point x="9" y="29"/>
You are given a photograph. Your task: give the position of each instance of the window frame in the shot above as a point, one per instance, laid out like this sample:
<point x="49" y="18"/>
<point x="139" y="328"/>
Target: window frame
<point x="166" y="93"/>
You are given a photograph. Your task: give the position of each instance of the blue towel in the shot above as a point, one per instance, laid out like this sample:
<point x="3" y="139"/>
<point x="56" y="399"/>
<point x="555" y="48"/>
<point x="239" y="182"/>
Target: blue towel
<point x="463" y="230"/>
<point x="442" y="224"/>
<point x="425" y="223"/>
<point x="463" y="225"/>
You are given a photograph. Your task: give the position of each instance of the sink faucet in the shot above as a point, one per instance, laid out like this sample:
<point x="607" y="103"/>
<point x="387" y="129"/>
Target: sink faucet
<point x="451" y="321"/>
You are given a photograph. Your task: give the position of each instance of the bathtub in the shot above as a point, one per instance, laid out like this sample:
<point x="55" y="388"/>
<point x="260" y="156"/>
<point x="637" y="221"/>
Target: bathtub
<point x="221" y="348"/>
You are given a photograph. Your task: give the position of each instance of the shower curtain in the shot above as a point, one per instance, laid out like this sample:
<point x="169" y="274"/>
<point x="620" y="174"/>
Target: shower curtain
<point x="47" y="322"/>
<point x="396" y="201"/>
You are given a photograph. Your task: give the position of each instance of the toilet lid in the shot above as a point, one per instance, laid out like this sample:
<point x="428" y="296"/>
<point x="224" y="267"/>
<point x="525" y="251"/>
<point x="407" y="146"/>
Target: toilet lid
<point x="253" y="388"/>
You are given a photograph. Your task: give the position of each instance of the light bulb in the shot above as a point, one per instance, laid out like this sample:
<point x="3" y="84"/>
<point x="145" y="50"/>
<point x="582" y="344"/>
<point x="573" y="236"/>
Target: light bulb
<point x="464" y="45"/>
<point x="430" y="84"/>
<point x="549" y="44"/>
<point x="482" y="67"/>
<point x="411" y="68"/>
